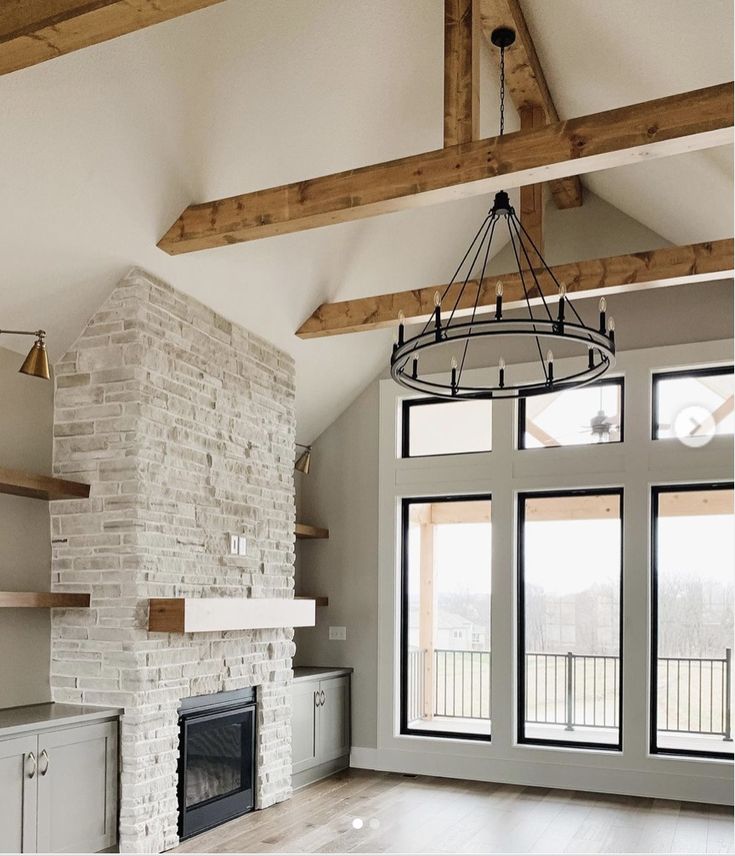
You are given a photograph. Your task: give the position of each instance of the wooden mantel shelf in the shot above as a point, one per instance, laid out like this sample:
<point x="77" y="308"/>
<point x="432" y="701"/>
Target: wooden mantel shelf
<point x="20" y="483"/>
<point x="203" y="614"/>
<point x="43" y="599"/>
<point x="303" y="530"/>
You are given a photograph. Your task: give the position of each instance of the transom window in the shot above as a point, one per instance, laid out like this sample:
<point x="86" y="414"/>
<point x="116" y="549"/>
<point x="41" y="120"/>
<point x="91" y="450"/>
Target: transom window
<point x="693" y="405"/>
<point x="575" y="417"/>
<point x="432" y="427"/>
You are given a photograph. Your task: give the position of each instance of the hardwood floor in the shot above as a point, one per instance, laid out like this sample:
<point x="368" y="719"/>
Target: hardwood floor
<point x="360" y="811"/>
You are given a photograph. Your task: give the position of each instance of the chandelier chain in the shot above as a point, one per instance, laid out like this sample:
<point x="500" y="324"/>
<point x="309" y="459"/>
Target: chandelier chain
<point x="502" y="91"/>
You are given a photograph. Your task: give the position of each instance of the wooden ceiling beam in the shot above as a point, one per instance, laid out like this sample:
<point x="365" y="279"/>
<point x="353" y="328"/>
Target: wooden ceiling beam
<point x="461" y="72"/>
<point x="634" y="271"/>
<point x="33" y="31"/>
<point x="526" y="82"/>
<point x="665" y="126"/>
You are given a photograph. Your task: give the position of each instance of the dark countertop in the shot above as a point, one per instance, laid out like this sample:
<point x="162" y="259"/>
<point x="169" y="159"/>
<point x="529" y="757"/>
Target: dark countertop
<point x="311" y="673"/>
<point x="37" y="717"/>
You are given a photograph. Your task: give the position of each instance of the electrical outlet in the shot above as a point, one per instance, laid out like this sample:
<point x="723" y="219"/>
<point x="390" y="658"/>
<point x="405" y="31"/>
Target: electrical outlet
<point x="339" y="633"/>
<point x="242" y="545"/>
<point x="234" y="545"/>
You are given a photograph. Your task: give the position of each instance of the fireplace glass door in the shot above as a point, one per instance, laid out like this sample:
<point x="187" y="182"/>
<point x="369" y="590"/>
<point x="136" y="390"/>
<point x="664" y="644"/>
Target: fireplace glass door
<point x="216" y="770"/>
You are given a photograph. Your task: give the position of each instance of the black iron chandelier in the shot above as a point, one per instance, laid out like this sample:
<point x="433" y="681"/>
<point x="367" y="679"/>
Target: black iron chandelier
<point x="449" y="326"/>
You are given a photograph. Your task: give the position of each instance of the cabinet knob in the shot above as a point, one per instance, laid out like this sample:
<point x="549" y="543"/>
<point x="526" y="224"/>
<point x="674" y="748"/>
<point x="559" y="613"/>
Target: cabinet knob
<point x="322" y="697"/>
<point x="44" y="755"/>
<point x="32" y="759"/>
<point x="316" y="698"/>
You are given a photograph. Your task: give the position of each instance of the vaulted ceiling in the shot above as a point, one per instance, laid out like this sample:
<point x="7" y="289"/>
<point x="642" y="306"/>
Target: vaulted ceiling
<point x="102" y="149"/>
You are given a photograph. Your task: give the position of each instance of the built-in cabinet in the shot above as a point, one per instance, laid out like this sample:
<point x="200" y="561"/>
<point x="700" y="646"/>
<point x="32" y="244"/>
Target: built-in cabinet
<point x="58" y="781"/>
<point x="320" y="723"/>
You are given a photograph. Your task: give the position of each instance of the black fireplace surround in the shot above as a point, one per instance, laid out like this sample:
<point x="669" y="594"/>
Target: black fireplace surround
<point x="216" y="759"/>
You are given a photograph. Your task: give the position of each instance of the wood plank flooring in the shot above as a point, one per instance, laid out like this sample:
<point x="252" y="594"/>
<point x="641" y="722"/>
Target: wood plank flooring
<point x="360" y="811"/>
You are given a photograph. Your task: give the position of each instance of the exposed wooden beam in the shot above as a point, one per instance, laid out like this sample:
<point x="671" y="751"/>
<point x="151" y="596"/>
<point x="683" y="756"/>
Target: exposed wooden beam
<point x="652" y="269"/>
<point x="461" y="72"/>
<point x="526" y="83"/>
<point x="666" y="126"/>
<point x="532" y="196"/>
<point x="695" y="503"/>
<point x="33" y="31"/>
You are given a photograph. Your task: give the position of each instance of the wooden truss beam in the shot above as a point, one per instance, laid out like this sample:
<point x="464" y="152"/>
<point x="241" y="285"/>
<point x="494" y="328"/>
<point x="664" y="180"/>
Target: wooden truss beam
<point x="38" y="30"/>
<point x="461" y="72"/>
<point x="655" y="268"/>
<point x="526" y="83"/>
<point x="665" y="126"/>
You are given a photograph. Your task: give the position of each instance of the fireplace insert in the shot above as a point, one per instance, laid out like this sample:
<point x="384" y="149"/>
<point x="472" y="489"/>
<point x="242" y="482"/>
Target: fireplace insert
<point x="216" y="759"/>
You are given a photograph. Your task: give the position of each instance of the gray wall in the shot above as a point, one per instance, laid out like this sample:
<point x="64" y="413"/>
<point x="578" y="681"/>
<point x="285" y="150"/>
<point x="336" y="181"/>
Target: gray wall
<point x="341" y="493"/>
<point x="26" y="418"/>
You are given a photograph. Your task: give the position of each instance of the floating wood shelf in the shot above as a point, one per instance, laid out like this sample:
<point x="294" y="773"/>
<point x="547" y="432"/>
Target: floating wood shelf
<point x="319" y="600"/>
<point x="20" y="483"/>
<point x="303" y="530"/>
<point x="43" y="599"/>
<point x="202" y="614"/>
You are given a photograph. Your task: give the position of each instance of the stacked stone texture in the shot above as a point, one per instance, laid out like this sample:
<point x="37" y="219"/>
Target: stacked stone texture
<point x="183" y="425"/>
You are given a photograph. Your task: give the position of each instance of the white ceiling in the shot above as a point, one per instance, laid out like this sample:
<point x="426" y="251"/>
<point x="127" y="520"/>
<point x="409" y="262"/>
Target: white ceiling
<point x="101" y="150"/>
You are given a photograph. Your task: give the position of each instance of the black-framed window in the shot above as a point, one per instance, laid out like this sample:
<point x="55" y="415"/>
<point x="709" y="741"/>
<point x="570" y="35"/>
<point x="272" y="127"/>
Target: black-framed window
<point x="445" y="616"/>
<point x="692" y="560"/>
<point x="570" y="585"/>
<point x="431" y="426"/>
<point x="693" y="404"/>
<point x="574" y="417"/>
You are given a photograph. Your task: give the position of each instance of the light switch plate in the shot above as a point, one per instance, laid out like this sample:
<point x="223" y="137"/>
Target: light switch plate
<point x="339" y="633"/>
<point x="234" y="545"/>
<point x="242" y="545"/>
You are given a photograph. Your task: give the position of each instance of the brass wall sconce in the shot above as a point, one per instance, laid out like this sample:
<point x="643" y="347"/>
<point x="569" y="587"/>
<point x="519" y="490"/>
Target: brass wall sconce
<point x="36" y="363"/>
<point x="303" y="462"/>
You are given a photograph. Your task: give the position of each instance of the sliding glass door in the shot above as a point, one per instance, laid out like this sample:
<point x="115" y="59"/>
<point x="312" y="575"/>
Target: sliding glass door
<point x="445" y="617"/>
<point x="569" y="595"/>
<point x="692" y="619"/>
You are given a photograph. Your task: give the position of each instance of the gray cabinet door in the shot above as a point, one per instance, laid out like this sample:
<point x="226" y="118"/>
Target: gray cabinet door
<point x="77" y="789"/>
<point x="18" y="774"/>
<point x="334" y="719"/>
<point x="304" y="725"/>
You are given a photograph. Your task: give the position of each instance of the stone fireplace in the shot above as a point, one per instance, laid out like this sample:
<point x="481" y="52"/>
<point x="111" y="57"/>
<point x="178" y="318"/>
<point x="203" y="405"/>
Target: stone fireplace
<point x="183" y="425"/>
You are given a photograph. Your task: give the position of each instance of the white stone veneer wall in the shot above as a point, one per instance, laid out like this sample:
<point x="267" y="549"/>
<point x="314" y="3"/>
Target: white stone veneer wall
<point x="183" y="424"/>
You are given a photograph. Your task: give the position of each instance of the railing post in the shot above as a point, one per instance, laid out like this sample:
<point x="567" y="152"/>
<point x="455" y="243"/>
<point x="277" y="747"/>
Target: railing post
<point x="728" y="693"/>
<point x="570" y="692"/>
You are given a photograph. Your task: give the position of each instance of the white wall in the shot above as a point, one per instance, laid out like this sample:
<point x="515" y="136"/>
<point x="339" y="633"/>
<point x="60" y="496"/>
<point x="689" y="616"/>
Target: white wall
<point x="26" y="418"/>
<point x="341" y="493"/>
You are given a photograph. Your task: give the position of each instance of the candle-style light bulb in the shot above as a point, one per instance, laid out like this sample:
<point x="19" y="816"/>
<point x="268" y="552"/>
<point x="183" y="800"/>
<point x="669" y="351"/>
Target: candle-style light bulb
<point x="501" y="372"/>
<point x="562" y="301"/>
<point x="454" y="362"/>
<point x="437" y="299"/>
<point x="603" y="310"/>
<point x="401" y="328"/>
<point x="611" y="329"/>
<point x="550" y="366"/>
<point x="498" y="300"/>
<point x="437" y="316"/>
<point x="603" y="305"/>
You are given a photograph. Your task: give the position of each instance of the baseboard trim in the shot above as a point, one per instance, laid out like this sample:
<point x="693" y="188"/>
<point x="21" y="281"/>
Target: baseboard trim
<point x="320" y="771"/>
<point x="642" y="783"/>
